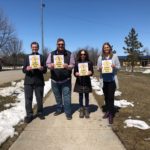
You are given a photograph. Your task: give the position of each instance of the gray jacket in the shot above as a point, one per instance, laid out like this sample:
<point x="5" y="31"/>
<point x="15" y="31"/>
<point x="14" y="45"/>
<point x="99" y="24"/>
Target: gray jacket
<point x="115" y="61"/>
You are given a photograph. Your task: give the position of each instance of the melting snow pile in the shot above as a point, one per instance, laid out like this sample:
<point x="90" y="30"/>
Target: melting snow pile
<point x="123" y="103"/>
<point x="97" y="86"/>
<point x="118" y="93"/>
<point x="137" y="123"/>
<point x="11" y="117"/>
<point x="146" y="71"/>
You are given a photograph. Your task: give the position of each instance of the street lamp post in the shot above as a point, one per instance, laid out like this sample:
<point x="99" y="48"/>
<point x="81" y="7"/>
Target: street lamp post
<point x="42" y="30"/>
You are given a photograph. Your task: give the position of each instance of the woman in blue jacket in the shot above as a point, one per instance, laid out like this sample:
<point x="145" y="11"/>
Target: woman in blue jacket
<point x="108" y="75"/>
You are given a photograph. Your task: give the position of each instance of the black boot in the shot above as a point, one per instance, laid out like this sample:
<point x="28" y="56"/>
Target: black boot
<point x="41" y="116"/>
<point x="28" y="119"/>
<point x="81" y="115"/>
<point x="106" y="115"/>
<point x="110" y="118"/>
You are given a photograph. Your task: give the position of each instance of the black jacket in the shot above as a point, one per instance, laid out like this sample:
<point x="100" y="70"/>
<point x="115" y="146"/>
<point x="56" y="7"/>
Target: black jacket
<point x="34" y="77"/>
<point x="83" y="83"/>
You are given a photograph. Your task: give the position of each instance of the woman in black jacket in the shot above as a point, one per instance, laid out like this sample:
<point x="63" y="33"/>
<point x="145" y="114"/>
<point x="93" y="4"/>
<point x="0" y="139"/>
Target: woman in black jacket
<point x="83" y="81"/>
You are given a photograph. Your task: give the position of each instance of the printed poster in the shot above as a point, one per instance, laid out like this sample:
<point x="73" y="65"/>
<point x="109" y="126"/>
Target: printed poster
<point x="58" y="61"/>
<point x="83" y="69"/>
<point x="107" y="66"/>
<point x="34" y="61"/>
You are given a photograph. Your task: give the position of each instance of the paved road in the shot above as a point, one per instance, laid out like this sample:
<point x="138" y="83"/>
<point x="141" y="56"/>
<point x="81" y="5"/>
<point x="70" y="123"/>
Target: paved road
<point x="57" y="133"/>
<point x="7" y="76"/>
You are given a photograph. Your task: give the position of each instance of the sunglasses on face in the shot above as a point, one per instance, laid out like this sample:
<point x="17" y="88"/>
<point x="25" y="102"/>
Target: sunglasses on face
<point x="60" y="44"/>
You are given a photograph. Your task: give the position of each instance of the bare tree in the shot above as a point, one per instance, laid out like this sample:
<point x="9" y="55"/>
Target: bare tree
<point x="93" y="53"/>
<point x="46" y="52"/>
<point x="11" y="51"/>
<point x="6" y="30"/>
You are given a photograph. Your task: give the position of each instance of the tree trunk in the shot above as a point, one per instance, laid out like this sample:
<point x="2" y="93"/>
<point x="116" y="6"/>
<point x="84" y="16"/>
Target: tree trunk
<point x="132" y="68"/>
<point x="15" y="62"/>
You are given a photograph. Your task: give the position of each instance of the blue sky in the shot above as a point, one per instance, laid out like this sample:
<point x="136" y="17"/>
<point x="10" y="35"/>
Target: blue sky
<point x="80" y="22"/>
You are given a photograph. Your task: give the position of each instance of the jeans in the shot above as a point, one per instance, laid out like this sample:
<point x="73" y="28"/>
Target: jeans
<point x="109" y="91"/>
<point x="62" y="93"/>
<point x="29" y="97"/>
<point x="86" y="99"/>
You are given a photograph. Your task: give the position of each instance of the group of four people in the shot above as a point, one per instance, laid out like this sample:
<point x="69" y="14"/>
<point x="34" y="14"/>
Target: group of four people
<point x="61" y="81"/>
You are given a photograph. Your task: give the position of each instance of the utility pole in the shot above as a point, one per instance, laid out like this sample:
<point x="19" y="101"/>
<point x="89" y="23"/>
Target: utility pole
<point x="42" y="30"/>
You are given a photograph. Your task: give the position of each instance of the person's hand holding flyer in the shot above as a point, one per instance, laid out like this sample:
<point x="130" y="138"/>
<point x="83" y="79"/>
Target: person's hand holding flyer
<point x="83" y="69"/>
<point x="58" y="61"/>
<point x="107" y="66"/>
<point x="34" y="61"/>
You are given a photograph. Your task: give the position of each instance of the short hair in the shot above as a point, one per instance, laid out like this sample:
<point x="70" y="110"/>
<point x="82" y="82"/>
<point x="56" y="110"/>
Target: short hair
<point x="36" y="43"/>
<point x="61" y="39"/>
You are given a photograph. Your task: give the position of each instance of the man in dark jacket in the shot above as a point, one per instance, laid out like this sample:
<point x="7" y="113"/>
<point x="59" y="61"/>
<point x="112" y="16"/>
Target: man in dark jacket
<point x="61" y="77"/>
<point x="34" y="80"/>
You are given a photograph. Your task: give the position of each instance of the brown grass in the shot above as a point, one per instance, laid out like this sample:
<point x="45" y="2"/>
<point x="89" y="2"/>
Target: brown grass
<point x="6" y="100"/>
<point x="134" y="87"/>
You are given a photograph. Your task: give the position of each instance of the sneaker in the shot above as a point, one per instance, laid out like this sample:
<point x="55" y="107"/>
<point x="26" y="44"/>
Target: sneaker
<point x="69" y="117"/>
<point x="28" y="119"/>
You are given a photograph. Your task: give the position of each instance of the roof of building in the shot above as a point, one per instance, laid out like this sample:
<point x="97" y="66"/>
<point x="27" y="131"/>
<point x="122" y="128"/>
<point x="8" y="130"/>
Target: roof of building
<point x="142" y="57"/>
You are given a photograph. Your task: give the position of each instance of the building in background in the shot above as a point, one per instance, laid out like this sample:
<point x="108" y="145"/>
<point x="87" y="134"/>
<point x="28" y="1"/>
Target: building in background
<point x="144" y="61"/>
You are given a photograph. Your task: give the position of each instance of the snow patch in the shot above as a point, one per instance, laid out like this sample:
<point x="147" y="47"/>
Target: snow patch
<point x="146" y="71"/>
<point x="99" y="92"/>
<point x="123" y="103"/>
<point x="137" y="124"/>
<point x="11" y="117"/>
<point x="97" y="86"/>
<point x="13" y="90"/>
<point x="118" y="93"/>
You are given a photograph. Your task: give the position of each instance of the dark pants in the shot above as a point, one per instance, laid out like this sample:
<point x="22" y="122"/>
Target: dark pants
<point x="109" y="91"/>
<point x="62" y="93"/>
<point x="29" y="97"/>
<point x="86" y="99"/>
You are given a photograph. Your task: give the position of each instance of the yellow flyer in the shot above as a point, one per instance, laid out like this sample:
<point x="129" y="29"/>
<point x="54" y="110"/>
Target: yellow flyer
<point x="58" y="61"/>
<point x="83" y="69"/>
<point x="106" y="66"/>
<point x="34" y="61"/>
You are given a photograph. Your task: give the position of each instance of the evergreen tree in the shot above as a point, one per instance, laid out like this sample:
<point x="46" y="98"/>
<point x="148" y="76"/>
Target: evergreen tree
<point x="133" y="48"/>
<point x="113" y="50"/>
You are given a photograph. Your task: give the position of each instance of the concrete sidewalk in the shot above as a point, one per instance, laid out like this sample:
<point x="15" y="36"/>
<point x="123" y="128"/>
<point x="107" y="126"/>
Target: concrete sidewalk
<point x="57" y="133"/>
